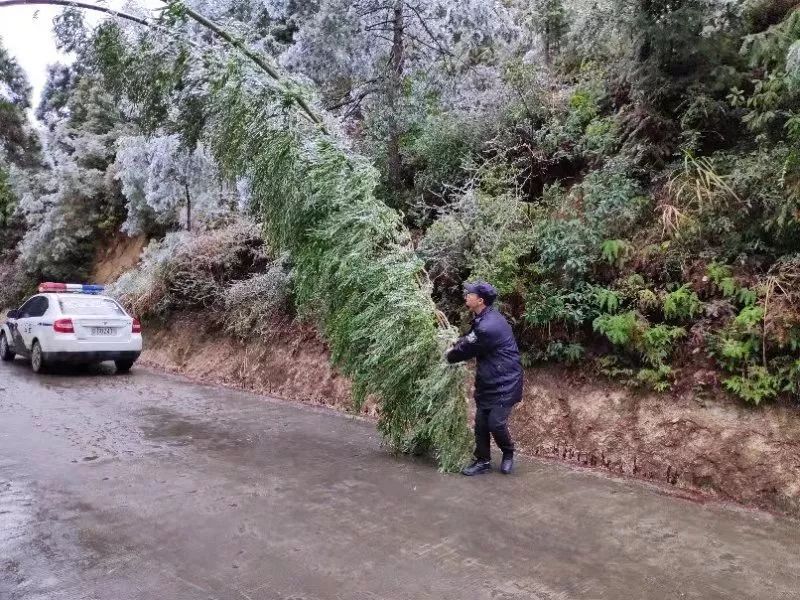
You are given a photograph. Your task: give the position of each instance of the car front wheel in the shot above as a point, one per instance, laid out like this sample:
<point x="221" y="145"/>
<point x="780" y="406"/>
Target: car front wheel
<point x="37" y="358"/>
<point x="6" y="353"/>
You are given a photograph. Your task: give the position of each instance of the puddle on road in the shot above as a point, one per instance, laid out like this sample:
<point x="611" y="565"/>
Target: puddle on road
<point x="175" y="429"/>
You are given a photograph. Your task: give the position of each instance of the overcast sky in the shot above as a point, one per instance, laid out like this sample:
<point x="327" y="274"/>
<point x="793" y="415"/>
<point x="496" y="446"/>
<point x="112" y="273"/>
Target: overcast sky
<point x="27" y="33"/>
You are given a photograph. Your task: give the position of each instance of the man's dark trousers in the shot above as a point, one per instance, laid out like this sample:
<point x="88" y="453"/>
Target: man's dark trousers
<point x="493" y="421"/>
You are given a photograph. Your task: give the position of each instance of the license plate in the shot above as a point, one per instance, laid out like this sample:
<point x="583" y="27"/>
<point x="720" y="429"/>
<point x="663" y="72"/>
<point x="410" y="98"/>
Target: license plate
<point x="102" y="331"/>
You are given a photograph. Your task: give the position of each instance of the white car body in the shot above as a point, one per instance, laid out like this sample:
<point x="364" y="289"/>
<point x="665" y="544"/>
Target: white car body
<point x="72" y="328"/>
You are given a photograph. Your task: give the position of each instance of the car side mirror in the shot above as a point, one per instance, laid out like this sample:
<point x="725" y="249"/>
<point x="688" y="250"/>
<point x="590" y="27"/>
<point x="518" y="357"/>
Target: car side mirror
<point x="13" y="314"/>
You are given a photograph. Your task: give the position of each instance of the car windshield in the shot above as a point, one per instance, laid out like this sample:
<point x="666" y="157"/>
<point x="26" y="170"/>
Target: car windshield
<point x="101" y="307"/>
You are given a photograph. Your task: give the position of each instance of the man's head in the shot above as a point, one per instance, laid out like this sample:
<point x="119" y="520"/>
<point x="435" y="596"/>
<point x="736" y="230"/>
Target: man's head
<point x="478" y="295"/>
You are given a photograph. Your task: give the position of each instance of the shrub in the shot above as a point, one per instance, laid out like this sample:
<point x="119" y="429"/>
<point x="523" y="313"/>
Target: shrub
<point x="601" y="137"/>
<point x="254" y="306"/>
<point x="438" y="150"/>
<point x="143" y="289"/>
<point x="546" y="304"/>
<point x="566" y="247"/>
<point x="482" y="235"/>
<point x="613" y="202"/>
<point x="186" y="271"/>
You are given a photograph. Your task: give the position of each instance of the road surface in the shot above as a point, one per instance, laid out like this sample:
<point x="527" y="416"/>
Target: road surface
<point x="151" y="487"/>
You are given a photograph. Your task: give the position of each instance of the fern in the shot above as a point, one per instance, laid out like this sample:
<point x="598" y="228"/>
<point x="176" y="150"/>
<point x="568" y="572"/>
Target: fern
<point x="619" y="329"/>
<point x="718" y="272"/>
<point x="658" y="379"/>
<point x="747" y="297"/>
<point x="658" y="342"/>
<point x="570" y="353"/>
<point x="723" y="279"/>
<point x="749" y="319"/>
<point x="757" y="385"/>
<point x="606" y="300"/>
<point x="682" y="304"/>
<point x="615" y="252"/>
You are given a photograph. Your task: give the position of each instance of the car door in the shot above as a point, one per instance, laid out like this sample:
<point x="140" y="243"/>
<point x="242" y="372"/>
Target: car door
<point x="31" y="317"/>
<point x="18" y="326"/>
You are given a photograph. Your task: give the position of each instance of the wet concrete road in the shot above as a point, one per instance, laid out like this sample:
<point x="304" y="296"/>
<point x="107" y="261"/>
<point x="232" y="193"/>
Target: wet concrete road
<point x="150" y="487"/>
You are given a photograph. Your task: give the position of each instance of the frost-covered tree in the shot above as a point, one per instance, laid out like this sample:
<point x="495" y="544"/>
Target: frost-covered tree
<point x="161" y="179"/>
<point x="71" y="204"/>
<point x="19" y="144"/>
<point x="377" y="58"/>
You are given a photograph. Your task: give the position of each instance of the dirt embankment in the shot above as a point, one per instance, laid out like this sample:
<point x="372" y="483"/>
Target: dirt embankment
<point x="715" y="447"/>
<point x="120" y="255"/>
<point x="293" y="364"/>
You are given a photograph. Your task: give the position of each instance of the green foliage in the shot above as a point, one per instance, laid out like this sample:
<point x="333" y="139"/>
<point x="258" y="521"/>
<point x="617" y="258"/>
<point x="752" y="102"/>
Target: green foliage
<point x="7" y="199"/>
<point x="615" y="252"/>
<point x="567" y="247"/>
<point x="755" y="387"/>
<point x="545" y="304"/>
<point x="355" y="269"/>
<point x="438" y="149"/>
<point x="583" y="108"/>
<point x="620" y="329"/>
<point x="657" y="379"/>
<point x="550" y="21"/>
<point x="606" y="300"/>
<point x="601" y="137"/>
<point x="658" y="343"/>
<point x="558" y="351"/>
<point x="738" y="348"/>
<point x="775" y="89"/>
<point x="613" y="202"/>
<point x="651" y="344"/>
<point x="484" y="234"/>
<point x="682" y="304"/>
<point x="722" y="278"/>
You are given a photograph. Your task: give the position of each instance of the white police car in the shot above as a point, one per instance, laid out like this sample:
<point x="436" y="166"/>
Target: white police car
<point x="71" y="323"/>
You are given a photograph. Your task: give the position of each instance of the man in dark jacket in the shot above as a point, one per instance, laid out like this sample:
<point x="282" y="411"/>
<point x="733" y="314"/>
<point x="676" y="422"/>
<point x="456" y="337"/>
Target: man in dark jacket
<point x="498" y="376"/>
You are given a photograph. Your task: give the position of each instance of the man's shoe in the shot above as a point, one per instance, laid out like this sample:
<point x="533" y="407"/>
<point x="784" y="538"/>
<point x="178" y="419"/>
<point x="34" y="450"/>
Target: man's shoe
<point x="507" y="465"/>
<point x="477" y="468"/>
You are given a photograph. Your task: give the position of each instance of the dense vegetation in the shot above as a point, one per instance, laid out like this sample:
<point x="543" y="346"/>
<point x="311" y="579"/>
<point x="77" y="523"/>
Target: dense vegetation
<point x="626" y="172"/>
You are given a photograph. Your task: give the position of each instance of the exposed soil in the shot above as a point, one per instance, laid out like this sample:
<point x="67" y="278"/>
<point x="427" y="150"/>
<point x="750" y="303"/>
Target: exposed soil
<point x="292" y="365"/>
<point x="115" y="258"/>
<point x="716" y="447"/>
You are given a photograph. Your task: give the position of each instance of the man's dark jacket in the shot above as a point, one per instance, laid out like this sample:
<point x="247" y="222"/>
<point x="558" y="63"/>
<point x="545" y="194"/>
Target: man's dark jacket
<point x="498" y="376"/>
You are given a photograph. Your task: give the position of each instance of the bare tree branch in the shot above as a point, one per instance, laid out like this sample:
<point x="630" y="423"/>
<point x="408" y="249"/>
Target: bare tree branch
<point x="427" y="29"/>
<point x="74" y="4"/>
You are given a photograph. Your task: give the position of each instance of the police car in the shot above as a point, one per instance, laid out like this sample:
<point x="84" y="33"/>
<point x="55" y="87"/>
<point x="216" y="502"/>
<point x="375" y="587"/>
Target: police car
<point x="71" y="323"/>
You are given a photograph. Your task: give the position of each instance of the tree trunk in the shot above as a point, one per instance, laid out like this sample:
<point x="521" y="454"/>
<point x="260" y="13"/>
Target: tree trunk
<point x="188" y="208"/>
<point x="547" y="56"/>
<point x="397" y="65"/>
